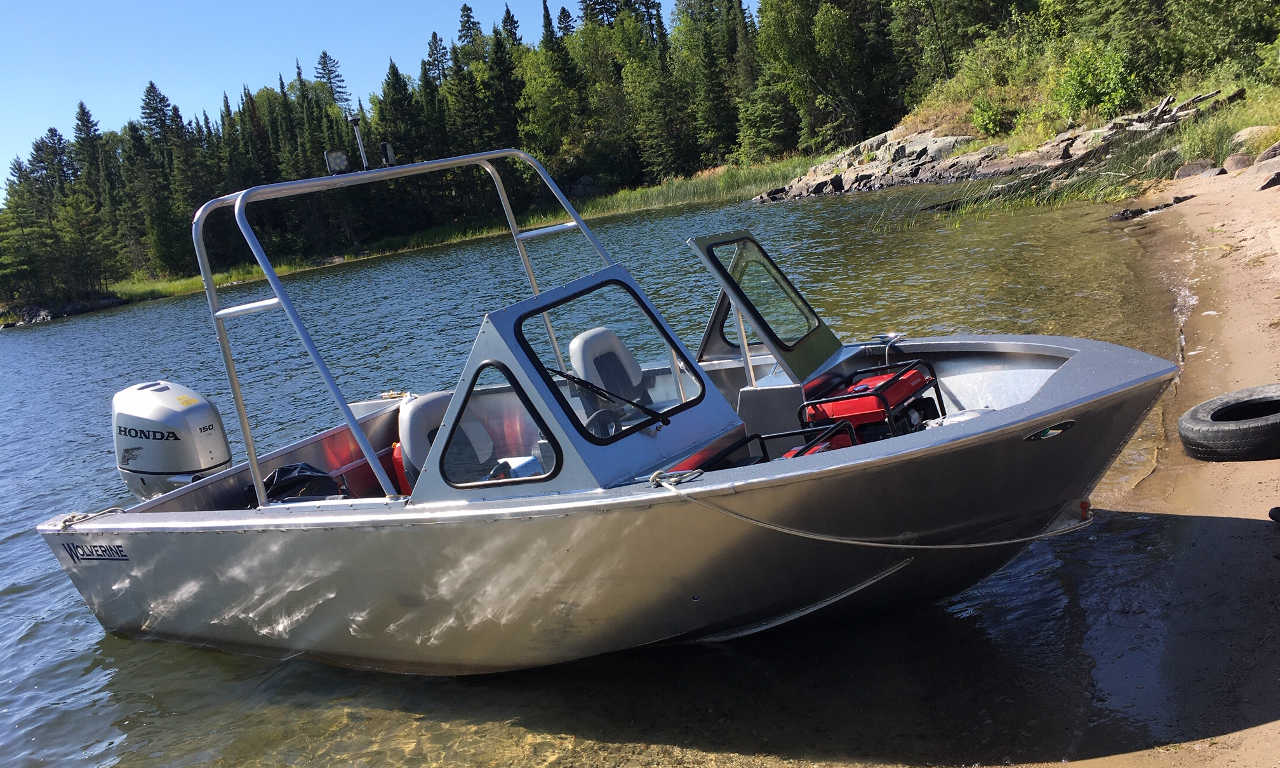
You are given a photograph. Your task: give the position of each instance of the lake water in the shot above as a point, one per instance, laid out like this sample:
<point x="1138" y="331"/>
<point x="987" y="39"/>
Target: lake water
<point x="73" y="695"/>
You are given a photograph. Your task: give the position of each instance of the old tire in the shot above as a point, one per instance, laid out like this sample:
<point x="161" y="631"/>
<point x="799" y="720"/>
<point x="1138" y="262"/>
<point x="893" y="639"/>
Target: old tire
<point x="1238" y="426"/>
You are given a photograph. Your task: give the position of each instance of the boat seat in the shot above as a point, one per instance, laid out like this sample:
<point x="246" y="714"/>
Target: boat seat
<point x="420" y="419"/>
<point x="600" y="357"/>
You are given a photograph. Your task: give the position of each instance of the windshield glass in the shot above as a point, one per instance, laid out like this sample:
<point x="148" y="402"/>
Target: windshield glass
<point x="779" y="305"/>
<point x="609" y="363"/>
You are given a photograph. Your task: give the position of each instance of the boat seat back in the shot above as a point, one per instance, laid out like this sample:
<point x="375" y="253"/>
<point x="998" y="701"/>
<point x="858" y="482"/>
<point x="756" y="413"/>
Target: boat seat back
<point x="420" y="419"/>
<point x="768" y="410"/>
<point x="600" y="357"/>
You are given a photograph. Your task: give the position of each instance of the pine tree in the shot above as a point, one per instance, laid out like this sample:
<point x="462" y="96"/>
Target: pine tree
<point x="470" y="37"/>
<point x="328" y="73"/>
<point x="564" y="22"/>
<point x="396" y="119"/>
<point x="437" y="59"/>
<point x="468" y="119"/>
<point x="430" y="105"/>
<point x="502" y="88"/>
<point x="511" y="27"/>
<point x="87" y="151"/>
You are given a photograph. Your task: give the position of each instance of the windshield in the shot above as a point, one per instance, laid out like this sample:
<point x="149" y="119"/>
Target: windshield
<point x="779" y="305"/>
<point x="609" y="363"/>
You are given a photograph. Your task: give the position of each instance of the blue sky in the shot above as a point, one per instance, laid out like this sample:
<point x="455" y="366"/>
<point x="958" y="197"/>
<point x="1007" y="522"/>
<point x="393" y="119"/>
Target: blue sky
<point x="103" y="53"/>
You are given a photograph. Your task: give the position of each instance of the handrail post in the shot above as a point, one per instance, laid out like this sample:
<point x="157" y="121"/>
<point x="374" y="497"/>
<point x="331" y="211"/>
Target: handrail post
<point x="224" y="344"/>
<point x="371" y="456"/>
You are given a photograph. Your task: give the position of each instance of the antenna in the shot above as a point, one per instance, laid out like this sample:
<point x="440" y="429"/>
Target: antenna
<point x="355" y="124"/>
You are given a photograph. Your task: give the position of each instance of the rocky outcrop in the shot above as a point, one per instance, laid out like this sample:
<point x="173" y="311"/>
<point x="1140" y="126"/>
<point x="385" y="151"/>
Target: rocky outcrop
<point x="1193" y="168"/>
<point x="1237" y="162"/>
<point x="885" y="161"/>
<point x="1270" y="153"/>
<point x="1246" y="135"/>
<point x="34" y="315"/>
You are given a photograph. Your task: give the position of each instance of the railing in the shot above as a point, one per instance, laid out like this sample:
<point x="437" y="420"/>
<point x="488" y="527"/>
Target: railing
<point x="240" y="201"/>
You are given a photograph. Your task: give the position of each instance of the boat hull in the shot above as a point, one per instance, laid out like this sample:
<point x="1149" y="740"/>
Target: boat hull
<point x="485" y="588"/>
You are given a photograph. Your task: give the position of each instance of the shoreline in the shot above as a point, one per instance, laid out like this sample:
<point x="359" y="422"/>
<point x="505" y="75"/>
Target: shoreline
<point x="1219" y="648"/>
<point x="722" y="184"/>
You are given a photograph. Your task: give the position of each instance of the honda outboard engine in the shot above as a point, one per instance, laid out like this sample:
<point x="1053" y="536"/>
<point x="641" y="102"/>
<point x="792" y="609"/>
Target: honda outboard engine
<point x="166" y="436"/>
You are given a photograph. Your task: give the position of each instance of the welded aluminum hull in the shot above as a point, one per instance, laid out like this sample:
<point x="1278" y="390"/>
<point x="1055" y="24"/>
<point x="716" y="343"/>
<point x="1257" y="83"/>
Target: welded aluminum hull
<point x="453" y="589"/>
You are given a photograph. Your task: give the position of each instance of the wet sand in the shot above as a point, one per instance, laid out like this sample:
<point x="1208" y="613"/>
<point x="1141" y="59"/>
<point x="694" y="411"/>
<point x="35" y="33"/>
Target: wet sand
<point x="1222" y="636"/>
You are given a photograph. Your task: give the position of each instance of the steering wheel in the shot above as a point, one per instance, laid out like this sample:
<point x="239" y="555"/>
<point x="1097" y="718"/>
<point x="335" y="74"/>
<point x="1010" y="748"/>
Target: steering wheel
<point x="603" y="423"/>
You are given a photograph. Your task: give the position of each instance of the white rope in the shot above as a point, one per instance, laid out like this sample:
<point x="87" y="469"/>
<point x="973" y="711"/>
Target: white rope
<point x="658" y="479"/>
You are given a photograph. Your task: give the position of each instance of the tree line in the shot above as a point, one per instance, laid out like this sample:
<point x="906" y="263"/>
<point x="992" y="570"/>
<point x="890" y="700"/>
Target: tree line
<point x="618" y="93"/>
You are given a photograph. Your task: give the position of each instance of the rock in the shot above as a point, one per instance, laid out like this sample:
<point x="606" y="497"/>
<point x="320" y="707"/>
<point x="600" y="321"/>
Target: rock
<point x="1245" y="135"/>
<point x="1271" y="181"/>
<point x="873" y="143"/>
<point x="1269" y="153"/>
<point x="1170" y="156"/>
<point x="1192" y="168"/>
<point x="1215" y="172"/>
<point x="1237" y="162"/>
<point x="1265" y="166"/>
<point x="1181" y="199"/>
<point x="898" y="152"/>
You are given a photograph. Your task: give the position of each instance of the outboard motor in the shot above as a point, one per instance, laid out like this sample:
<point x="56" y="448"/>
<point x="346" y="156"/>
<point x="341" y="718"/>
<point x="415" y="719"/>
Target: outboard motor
<point x="166" y="436"/>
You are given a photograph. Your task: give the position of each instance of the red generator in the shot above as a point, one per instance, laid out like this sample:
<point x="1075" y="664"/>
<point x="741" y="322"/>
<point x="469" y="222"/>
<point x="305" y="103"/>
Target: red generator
<point x="877" y="402"/>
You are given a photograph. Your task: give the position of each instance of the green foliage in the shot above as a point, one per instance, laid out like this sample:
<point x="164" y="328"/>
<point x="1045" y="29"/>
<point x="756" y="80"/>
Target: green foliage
<point x="610" y="100"/>
<point x="991" y="119"/>
<point x="1269" y="62"/>
<point x="1096" y="79"/>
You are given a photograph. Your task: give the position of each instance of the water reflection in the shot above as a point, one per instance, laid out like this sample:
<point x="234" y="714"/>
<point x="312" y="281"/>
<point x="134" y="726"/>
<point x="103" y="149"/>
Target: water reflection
<point x="1071" y="653"/>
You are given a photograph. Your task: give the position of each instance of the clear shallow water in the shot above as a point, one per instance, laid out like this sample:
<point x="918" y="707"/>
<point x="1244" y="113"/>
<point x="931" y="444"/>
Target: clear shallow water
<point x="72" y="694"/>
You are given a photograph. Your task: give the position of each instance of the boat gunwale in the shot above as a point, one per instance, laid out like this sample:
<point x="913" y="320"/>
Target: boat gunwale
<point x="375" y="512"/>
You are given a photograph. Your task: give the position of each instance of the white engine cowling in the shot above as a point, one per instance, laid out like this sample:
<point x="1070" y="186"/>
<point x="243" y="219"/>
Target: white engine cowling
<point x="166" y="436"/>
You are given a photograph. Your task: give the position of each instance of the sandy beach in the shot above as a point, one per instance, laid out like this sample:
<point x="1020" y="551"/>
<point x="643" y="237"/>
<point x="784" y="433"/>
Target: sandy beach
<point x="1222" y="643"/>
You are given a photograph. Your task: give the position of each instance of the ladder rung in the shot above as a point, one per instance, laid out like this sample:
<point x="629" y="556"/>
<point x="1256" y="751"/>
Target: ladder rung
<point x="551" y="230"/>
<point x="250" y="308"/>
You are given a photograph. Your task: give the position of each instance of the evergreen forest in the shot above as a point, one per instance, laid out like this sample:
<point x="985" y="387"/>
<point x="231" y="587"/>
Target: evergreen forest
<point x="609" y="94"/>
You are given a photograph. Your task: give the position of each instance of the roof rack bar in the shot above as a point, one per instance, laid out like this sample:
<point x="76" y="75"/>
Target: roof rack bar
<point x="250" y="308"/>
<point x="530" y="234"/>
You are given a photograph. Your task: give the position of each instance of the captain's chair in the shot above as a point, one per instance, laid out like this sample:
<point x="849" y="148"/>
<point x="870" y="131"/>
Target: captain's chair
<point x="420" y="419"/>
<point x="600" y="357"/>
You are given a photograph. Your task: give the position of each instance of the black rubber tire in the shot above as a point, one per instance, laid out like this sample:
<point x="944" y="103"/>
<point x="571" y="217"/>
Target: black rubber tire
<point x="1239" y="426"/>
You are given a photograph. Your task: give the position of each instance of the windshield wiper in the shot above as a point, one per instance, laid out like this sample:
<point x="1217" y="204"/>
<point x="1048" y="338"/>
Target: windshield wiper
<point x="599" y="390"/>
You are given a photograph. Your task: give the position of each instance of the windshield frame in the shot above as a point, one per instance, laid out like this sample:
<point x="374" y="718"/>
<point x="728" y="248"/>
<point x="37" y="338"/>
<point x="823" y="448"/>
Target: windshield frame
<point x="549" y="378"/>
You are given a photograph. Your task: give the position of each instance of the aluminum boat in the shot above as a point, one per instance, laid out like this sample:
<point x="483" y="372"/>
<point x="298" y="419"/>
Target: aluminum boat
<point x="591" y="484"/>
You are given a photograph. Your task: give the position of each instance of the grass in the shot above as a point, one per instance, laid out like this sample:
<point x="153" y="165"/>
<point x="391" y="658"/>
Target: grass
<point x="1125" y="172"/>
<point x="721" y="184"/>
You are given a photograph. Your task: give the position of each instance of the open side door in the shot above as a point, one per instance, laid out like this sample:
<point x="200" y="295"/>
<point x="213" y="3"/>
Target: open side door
<point x="779" y="317"/>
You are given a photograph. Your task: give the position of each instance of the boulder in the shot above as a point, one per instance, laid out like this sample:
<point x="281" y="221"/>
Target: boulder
<point x="1215" y="172"/>
<point x="1192" y="168"/>
<point x="1269" y="153"/>
<point x="873" y="143"/>
<point x="1272" y="180"/>
<point x="1245" y="135"/>
<point x="1237" y="162"/>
